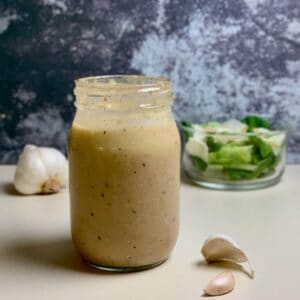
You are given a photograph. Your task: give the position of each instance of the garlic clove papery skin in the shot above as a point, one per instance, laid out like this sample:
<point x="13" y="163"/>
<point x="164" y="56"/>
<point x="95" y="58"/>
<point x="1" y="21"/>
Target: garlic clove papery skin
<point x="220" y="285"/>
<point x="30" y="171"/>
<point x="55" y="164"/>
<point x="223" y="248"/>
<point x="40" y="170"/>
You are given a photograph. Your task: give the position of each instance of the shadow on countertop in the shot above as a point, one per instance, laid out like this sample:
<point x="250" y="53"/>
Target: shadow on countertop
<point x="222" y="265"/>
<point x="8" y="188"/>
<point x="50" y="255"/>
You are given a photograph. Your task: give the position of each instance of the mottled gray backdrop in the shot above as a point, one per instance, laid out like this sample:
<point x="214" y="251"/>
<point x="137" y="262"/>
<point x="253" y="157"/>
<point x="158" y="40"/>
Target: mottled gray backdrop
<point x="227" y="58"/>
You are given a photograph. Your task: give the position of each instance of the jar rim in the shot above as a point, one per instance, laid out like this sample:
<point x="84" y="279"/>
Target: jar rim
<point x="123" y="92"/>
<point x="124" y="84"/>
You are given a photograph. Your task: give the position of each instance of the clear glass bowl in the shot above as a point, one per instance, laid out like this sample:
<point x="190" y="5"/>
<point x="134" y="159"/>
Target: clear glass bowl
<point x="232" y="173"/>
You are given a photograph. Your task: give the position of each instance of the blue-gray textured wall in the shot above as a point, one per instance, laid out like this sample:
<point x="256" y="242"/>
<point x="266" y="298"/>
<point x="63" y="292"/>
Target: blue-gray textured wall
<point x="227" y="58"/>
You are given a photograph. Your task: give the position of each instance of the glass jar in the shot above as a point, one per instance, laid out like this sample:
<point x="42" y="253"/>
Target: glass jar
<point x="124" y="156"/>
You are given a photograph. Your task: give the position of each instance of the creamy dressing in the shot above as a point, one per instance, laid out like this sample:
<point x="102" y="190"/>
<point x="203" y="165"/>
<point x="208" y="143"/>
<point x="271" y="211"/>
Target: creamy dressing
<point x="124" y="187"/>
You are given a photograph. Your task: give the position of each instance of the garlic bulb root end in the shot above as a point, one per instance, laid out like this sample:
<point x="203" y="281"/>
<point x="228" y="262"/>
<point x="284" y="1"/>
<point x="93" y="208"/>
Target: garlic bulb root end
<point x="51" y="185"/>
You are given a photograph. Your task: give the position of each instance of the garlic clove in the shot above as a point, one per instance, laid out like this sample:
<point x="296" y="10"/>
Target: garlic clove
<point x="40" y="170"/>
<point x="30" y="171"/>
<point x="51" y="158"/>
<point x="220" y="285"/>
<point x="224" y="248"/>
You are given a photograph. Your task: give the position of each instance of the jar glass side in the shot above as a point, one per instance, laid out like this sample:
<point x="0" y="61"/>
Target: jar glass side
<point x="124" y="181"/>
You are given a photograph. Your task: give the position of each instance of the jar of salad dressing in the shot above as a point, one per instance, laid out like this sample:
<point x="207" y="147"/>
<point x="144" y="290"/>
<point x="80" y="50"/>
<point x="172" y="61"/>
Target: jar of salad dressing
<point x="124" y="155"/>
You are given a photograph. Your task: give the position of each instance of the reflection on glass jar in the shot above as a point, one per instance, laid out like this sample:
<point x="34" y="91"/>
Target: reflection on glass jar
<point x="124" y="155"/>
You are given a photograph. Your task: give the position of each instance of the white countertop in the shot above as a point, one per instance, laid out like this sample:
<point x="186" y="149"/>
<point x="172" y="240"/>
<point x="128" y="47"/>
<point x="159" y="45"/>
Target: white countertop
<point x="37" y="259"/>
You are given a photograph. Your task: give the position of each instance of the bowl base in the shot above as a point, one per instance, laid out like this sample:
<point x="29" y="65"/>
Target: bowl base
<point x="235" y="185"/>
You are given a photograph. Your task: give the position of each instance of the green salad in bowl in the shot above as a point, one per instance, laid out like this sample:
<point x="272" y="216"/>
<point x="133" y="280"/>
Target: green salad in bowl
<point x="235" y="154"/>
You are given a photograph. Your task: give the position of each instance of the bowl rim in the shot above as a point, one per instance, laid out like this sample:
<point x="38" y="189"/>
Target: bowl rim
<point x="242" y="134"/>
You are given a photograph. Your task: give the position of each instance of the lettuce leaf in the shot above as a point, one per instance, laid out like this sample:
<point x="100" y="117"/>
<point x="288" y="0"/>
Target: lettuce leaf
<point x="211" y="125"/>
<point x="231" y="154"/>
<point x="198" y="163"/>
<point x="255" y="122"/>
<point x="234" y="174"/>
<point x="260" y="149"/>
<point x="240" y="172"/>
<point x="186" y="130"/>
<point x="243" y="167"/>
<point x="212" y="145"/>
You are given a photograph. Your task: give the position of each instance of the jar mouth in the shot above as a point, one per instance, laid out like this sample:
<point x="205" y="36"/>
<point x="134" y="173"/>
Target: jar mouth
<point x="123" y="92"/>
<point x="124" y="84"/>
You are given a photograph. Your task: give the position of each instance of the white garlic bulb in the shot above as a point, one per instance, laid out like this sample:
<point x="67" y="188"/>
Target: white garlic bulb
<point x="40" y="170"/>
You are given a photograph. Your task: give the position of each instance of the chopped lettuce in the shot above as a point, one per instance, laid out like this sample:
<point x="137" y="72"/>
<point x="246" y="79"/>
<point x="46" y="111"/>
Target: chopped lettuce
<point x="235" y="174"/>
<point x="238" y="173"/>
<point x="244" y="167"/>
<point x="186" y="130"/>
<point x="261" y="149"/>
<point x="255" y="122"/>
<point x="211" y="126"/>
<point x="212" y="145"/>
<point x="225" y="137"/>
<point x="228" y="149"/>
<point x="231" y="154"/>
<point x="275" y="139"/>
<point x="198" y="163"/>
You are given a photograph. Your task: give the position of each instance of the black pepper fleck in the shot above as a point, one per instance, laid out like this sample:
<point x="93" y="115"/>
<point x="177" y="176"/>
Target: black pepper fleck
<point x="104" y="132"/>
<point x="144" y="165"/>
<point x="129" y="257"/>
<point x="134" y="172"/>
<point x="99" y="237"/>
<point x="134" y="247"/>
<point x="106" y="185"/>
<point x="120" y="149"/>
<point x="102" y="195"/>
<point x="124" y="129"/>
<point x="92" y="214"/>
<point x="133" y="211"/>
